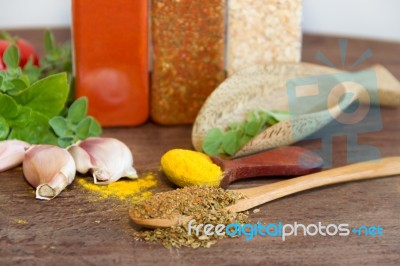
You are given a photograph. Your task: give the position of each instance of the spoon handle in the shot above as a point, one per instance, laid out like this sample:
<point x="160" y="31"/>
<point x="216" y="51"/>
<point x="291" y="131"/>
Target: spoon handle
<point x="353" y="172"/>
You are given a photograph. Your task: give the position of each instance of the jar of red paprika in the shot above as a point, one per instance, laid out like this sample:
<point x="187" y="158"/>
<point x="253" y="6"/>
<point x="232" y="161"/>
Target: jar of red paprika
<point x="111" y="59"/>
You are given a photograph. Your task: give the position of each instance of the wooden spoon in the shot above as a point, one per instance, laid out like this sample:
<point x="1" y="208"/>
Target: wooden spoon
<point x="284" y="161"/>
<point x="264" y="87"/>
<point x="259" y="195"/>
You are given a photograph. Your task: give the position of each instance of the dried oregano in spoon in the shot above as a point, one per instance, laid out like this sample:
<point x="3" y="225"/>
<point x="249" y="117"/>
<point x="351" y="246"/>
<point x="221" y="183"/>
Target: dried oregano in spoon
<point x="206" y="206"/>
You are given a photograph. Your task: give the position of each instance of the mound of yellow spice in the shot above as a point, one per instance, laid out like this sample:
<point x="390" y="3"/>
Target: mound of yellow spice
<point x="129" y="189"/>
<point x="190" y="168"/>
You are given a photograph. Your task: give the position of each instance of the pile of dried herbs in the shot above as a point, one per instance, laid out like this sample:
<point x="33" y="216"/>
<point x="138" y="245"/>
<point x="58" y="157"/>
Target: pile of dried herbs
<point x="205" y="204"/>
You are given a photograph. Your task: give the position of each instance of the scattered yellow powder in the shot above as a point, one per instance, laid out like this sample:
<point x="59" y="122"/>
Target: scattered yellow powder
<point x="123" y="189"/>
<point x="190" y="168"/>
<point x="21" y="221"/>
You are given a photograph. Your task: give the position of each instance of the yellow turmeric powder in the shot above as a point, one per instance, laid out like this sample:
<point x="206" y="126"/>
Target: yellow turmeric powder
<point x="190" y="168"/>
<point x="123" y="189"/>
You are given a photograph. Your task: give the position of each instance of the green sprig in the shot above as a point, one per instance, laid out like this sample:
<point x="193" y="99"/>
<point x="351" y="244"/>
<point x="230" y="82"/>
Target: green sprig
<point x="237" y="134"/>
<point x="33" y="109"/>
<point x="76" y="125"/>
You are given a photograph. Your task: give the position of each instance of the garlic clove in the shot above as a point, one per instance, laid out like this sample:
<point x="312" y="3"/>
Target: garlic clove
<point x="12" y="153"/>
<point x="49" y="169"/>
<point x="82" y="161"/>
<point x="107" y="158"/>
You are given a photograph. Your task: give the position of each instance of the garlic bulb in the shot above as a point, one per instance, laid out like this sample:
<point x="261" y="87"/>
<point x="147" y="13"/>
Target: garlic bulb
<point x="12" y="153"/>
<point x="108" y="159"/>
<point x="49" y="169"/>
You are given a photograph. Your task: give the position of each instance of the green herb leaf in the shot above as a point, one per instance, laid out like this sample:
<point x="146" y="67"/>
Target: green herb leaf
<point x="59" y="125"/>
<point x="238" y="134"/>
<point x="243" y="140"/>
<point x="253" y="116"/>
<point x="76" y="126"/>
<point x="23" y="117"/>
<point x="8" y="107"/>
<point x="279" y="115"/>
<point x="4" y="128"/>
<point x="82" y="130"/>
<point x="88" y="127"/>
<point x="32" y="71"/>
<point x="235" y="125"/>
<point x="95" y="128"/>
<point x="65" y="141"/>
<point x="252" y="128"/>
<point x="77" y="111"/>
<point x="35" y="110"/>
<point x="49" y="43"/>
<point x="18" y="86"/>
<point x="27" y="109"/>
<point x="213" y="141"/>
<point x="11" y="56"/>
<point x="230" y="142"/>
<point x="46" y="96"/>
<point x="36" y="131"/>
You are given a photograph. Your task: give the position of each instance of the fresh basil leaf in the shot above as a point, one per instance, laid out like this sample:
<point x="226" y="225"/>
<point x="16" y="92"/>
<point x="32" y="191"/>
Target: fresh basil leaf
<point x="23" y="117"/>
<point x="36" y="131"/>
<point x="11" y="56"/>
<point x="230" y="142"/>
<point x="59" y="125"/>
<point x="213" y="141"/>
<point x="46" y="96"/>
<point x="4" y="128"/>
<point x="1" y="79"/>
<point x="78" y="110"/>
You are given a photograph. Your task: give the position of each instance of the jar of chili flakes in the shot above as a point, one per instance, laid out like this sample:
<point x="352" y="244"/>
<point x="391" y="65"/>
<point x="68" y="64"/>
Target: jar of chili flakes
<point x="188" y="57"/>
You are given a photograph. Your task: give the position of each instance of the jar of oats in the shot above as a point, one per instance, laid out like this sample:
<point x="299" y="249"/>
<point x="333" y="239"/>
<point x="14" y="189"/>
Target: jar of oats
<point x="262" y="31"/>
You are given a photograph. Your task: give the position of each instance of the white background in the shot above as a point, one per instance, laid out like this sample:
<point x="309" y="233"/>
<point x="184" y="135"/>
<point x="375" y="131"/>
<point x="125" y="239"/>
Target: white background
<point x="373" y="19"/>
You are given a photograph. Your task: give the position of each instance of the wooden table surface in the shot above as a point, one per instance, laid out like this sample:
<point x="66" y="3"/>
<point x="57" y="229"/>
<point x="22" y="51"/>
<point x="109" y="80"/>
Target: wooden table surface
<point x="73" y="230"/>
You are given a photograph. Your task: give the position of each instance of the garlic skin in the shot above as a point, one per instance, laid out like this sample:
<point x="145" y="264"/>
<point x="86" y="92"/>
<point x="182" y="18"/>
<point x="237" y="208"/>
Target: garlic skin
<point x="12" y="153"/>
<point x="108" y="159"/>
<point x="49" y="169"/>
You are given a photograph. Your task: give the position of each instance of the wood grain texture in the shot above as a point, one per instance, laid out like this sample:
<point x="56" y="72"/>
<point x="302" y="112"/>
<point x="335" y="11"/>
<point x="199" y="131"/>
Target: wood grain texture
<point x="72" y="230"/>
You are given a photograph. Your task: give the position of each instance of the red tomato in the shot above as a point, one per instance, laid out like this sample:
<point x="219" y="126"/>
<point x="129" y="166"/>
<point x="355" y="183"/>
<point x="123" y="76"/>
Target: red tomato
<point x="26" y="51"/>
